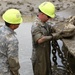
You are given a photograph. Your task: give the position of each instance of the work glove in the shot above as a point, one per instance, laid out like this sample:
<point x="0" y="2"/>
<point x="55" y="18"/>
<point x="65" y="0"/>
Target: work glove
<point x="56" y="35"/>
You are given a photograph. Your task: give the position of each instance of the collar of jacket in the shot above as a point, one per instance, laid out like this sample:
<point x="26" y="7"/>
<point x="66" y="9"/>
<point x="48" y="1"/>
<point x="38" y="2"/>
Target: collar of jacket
<point x="9" y="30"/>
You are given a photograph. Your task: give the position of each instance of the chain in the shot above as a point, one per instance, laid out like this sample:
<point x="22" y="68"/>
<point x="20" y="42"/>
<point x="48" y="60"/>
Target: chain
<point x="64" y="61"/>
<point x="54" y="58"/>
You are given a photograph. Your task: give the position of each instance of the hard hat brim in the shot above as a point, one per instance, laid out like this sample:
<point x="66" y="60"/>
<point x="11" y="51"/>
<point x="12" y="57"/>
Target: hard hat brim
<point x="12" y="22"/>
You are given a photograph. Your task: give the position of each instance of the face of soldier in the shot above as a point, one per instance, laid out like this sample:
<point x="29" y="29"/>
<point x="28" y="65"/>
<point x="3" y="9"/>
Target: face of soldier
<point x="14" y="26"/>
<point x="44" y="17"/>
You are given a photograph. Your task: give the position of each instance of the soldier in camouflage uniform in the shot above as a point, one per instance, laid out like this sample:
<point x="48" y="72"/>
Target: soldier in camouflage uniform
<point x="9" y="62"/>
<point x="41" y="37"/>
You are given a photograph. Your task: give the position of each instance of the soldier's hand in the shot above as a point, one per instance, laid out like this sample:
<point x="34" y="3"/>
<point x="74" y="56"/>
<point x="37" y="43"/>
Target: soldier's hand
<point x="15" y="72"/>
<point x="57" y="35"/>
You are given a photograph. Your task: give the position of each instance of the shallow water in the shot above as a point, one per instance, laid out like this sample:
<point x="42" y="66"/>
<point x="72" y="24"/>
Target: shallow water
<point x="25" y="48"/>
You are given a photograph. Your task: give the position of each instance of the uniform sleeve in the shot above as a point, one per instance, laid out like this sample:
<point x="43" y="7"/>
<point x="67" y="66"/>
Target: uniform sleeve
<point x="12" y="53"/>
<point x="36" y="33"/>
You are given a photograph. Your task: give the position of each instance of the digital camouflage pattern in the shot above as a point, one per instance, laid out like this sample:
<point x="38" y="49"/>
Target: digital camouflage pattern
<point x="9" y="63"/>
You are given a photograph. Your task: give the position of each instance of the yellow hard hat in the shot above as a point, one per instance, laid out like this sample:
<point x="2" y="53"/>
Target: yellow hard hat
<point x="12" y="16"/>
<point x="47" y="8"/>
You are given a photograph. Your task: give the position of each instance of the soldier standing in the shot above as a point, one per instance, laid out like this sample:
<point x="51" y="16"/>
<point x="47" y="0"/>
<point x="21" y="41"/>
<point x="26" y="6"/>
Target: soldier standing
<point x="9" y="62"/>
<point x="41" y="37"/>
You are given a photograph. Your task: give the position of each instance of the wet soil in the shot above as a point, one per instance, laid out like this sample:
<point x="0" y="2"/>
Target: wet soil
<point x="29" y="8"/>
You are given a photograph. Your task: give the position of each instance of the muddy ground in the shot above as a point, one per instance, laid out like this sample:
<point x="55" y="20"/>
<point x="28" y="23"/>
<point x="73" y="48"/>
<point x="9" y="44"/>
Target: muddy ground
<point x="29" y="8"/>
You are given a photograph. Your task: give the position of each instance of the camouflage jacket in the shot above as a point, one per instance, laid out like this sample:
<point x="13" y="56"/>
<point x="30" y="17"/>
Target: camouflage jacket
<point x="8" y="51"/>
<point x="38" y="30"/>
